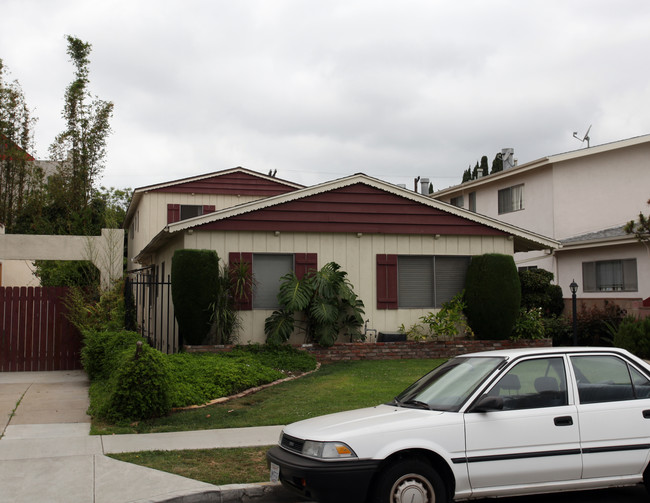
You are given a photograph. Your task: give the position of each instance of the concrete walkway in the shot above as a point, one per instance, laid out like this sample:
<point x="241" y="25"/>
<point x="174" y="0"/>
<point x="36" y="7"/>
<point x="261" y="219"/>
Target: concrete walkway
<point x="47" y="454"/>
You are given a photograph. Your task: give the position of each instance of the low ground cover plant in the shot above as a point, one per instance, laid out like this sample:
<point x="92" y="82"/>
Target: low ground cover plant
<point x="130" y="381"/>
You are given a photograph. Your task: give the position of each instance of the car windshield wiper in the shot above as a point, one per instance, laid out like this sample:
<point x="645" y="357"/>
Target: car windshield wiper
<point x="417" y="403"/>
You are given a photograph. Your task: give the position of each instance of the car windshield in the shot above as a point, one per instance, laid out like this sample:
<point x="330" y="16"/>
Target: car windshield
<point x="448" y="386"/>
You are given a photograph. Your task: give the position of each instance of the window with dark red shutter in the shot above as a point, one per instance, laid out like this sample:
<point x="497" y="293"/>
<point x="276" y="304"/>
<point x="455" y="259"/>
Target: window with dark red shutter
<point x="173" y="213"/>
<point x="386" y="281"/>
<point x="305" y="262"/>
<point x="242" y="262"/>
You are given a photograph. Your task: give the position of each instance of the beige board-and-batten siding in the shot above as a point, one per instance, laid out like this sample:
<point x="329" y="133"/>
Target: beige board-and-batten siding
<point x="356" y="254"/>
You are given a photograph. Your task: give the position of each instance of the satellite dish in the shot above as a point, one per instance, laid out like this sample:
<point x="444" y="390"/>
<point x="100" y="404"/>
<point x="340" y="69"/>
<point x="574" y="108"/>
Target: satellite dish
<point x="585" y="138"/>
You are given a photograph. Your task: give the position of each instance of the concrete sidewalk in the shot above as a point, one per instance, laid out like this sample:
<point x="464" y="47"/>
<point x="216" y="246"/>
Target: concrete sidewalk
<point x="47" y="454"/>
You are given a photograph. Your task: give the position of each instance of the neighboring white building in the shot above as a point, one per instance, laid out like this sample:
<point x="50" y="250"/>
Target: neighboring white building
<point x="582" y="199"/>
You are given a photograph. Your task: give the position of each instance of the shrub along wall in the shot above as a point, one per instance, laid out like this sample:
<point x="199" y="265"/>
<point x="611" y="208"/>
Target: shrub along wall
<point x="398" y="350"/>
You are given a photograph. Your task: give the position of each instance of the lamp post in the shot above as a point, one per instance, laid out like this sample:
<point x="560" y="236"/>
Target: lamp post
<point x="574" y="288"/>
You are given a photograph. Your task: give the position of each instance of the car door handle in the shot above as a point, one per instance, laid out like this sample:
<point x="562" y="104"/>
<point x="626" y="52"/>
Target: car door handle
<point x="563" y="421"/>
<point x="646" y="414"/>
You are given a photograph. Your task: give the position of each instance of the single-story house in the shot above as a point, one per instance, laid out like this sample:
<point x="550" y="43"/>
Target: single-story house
<point x="405" y="253"/>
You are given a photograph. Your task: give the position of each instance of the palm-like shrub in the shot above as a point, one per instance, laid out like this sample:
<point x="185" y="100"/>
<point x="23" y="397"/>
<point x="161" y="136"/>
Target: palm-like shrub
<point x="322" y="304"/>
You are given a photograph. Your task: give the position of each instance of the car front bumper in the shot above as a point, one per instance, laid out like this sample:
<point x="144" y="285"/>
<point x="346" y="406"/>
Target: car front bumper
<point x="324" y="481"/>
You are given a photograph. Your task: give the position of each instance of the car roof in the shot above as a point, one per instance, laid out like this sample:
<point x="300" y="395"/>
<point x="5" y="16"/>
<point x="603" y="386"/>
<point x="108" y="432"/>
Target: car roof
<point x="518" y="352"/>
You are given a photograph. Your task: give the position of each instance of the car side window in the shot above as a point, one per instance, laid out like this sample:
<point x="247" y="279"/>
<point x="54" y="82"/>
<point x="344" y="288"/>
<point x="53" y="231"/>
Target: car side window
<point x="603" y="378"/>
<point x="531" y="384"/>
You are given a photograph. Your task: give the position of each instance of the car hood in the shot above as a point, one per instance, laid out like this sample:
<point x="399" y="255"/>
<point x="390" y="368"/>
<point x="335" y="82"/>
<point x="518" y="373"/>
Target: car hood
<point x="354" y="423"/>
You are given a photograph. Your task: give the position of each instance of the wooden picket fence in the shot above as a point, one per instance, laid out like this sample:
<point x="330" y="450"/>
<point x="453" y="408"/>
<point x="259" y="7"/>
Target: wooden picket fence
<point x="35" y="334"/>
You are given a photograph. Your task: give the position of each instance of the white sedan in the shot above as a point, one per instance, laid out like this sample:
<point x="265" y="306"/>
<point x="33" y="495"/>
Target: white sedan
<point x="496" y="423"/>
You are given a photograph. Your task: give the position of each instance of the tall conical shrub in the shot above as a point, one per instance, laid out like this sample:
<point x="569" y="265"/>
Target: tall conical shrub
<point x="195" y="274"/>
<point x="492" y="295"/>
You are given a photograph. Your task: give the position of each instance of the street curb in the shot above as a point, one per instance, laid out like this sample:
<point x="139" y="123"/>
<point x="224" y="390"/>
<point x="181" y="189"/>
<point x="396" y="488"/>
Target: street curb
<point x="232" y="493"/>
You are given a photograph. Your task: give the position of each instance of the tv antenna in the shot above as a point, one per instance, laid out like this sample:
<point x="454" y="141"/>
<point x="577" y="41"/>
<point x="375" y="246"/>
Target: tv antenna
<point x="585" y="138"/>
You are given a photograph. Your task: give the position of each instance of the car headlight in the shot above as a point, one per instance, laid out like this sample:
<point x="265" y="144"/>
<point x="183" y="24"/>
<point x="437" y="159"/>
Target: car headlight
<point x="327" y="450"/>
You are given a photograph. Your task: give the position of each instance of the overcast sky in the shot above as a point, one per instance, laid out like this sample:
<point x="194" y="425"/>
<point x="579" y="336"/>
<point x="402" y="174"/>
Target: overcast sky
<point x="321" y="89"/>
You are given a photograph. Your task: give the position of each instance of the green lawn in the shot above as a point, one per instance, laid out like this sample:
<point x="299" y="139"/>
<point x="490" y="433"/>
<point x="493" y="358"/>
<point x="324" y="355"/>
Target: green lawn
<point x="335" y="387"/>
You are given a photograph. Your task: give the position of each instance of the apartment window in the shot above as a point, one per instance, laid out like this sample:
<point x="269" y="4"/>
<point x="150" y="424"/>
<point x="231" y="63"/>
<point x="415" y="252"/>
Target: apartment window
<point x="458" y="201"/>
<point x="472" y="201"/>
<point x="267" y="270"/>
<point x="610" y="276"/>
<point x="526" y="268"/>
<point x="419" y="281"/>
<point x="511" y="199"/>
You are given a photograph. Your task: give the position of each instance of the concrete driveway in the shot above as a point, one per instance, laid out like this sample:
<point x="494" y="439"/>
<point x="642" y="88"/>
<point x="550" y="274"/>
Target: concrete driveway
<point x="33" y="398"/>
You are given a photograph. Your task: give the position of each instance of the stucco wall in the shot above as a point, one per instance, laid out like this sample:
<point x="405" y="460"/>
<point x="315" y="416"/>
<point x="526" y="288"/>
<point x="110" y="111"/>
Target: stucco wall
<point x="570" y="267"/>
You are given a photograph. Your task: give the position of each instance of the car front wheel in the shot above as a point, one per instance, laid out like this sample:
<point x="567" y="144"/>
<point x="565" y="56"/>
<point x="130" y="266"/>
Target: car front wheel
<point x="410" y="481"/>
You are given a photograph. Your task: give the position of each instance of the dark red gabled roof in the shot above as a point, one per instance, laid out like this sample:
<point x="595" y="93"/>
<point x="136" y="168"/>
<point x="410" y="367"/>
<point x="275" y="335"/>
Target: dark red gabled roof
<point x="11" y="151"/>
<point x="354" y="208"/>
<point x="233" y="183"/>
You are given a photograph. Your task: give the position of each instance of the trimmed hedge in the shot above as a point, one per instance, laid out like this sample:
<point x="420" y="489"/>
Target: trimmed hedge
<point x="492" y="296"/>
<point x="195" y="275"/>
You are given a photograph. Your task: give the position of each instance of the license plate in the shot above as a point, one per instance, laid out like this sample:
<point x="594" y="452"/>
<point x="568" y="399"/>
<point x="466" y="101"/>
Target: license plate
<point x="275" y="472"/>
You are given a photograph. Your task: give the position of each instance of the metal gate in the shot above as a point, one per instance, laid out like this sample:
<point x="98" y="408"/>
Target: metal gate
<point x="154" y="307"/>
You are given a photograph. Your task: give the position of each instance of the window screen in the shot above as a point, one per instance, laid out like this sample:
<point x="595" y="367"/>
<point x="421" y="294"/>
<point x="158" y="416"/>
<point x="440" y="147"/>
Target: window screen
<point x="267" y="271"/>
<point x="426" y="281"/>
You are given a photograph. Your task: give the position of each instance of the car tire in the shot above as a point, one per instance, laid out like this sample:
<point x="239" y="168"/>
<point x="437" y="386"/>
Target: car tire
<point x="410" y="481"/>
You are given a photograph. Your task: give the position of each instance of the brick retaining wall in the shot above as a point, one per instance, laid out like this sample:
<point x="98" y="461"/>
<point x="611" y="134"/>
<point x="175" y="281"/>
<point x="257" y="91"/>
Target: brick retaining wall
<point x="397" y="350"/>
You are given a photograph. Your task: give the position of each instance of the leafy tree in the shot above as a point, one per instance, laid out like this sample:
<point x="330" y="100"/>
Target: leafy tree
<point x="537" y="291"/>
<point x="80" y="149"/>
<point x="18" y="175"/>
<point x="640" y="228"/>
<point x="322" y="302"/>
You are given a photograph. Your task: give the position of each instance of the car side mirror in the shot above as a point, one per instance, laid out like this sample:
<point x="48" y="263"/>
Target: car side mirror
<point x="488" y="403"/>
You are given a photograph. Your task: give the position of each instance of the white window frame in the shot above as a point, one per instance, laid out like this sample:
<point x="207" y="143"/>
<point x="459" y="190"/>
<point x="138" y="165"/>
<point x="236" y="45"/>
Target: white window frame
<point x="615" y="275"/>
<point x="511" y="199"/>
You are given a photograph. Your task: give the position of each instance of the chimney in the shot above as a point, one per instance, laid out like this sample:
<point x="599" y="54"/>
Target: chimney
<point x="424" y="186"/>
<point x="508" y="158"/>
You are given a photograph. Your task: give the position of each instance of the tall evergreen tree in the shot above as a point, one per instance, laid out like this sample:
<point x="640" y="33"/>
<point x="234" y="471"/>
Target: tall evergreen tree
<point x="497" y="163"/>
<point x="467" y="174"/>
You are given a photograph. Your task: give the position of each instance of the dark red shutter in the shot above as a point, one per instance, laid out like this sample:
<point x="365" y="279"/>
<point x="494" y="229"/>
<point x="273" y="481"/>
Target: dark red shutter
<point x="243" y="302"/>
<point x="208" y="208"/>
<point x="386" y="281"/>
<point x="173" y="213"/>
<point x="305" y="262"/>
